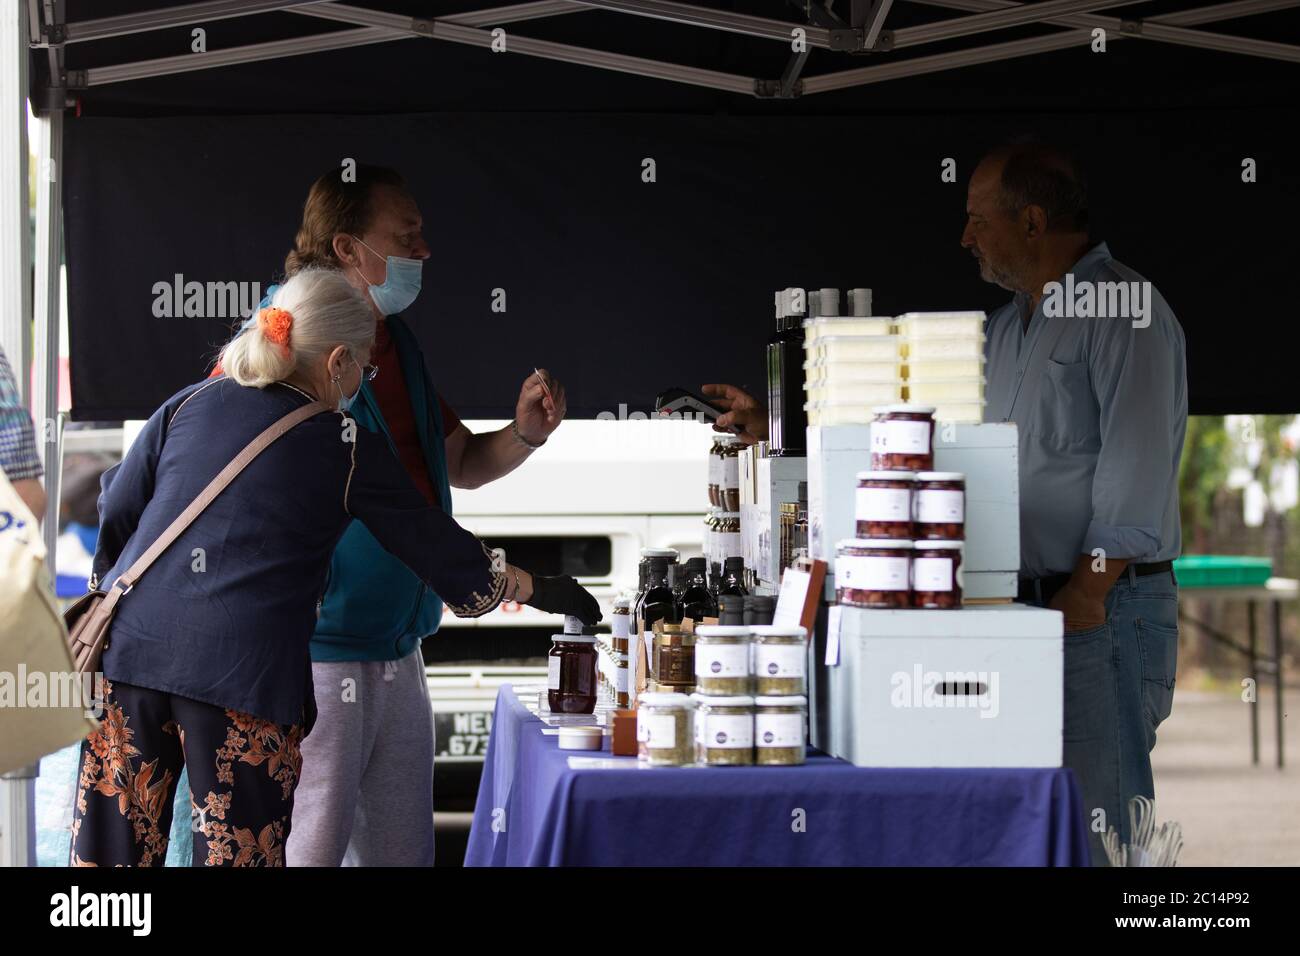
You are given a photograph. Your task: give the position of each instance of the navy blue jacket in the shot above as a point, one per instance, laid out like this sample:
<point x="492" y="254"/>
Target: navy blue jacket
<point x="226" y="614"/>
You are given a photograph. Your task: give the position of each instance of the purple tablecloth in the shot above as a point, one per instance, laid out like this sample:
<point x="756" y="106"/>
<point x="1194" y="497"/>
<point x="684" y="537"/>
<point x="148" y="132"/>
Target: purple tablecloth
<point x="533" y="810"/>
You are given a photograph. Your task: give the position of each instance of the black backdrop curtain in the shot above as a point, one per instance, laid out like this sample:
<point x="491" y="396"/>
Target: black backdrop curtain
<point x="624" y="287"/>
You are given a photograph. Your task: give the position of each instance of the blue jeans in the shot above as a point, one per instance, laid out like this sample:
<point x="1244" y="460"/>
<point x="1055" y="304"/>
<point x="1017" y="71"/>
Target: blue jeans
<point x="1119" y="687"/>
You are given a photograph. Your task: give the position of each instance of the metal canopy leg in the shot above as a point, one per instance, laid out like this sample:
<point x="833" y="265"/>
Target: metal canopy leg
<point x="17" y="789"/>
<point x="1252" y="664"/>
<point x="1279" y="706"/>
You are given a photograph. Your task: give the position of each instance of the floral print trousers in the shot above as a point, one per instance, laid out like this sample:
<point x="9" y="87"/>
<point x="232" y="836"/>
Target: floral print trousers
<point x="243" y="771"/>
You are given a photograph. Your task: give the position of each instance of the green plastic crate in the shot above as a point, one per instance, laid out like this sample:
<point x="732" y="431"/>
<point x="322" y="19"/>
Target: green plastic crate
<point x="1222" y="571"/>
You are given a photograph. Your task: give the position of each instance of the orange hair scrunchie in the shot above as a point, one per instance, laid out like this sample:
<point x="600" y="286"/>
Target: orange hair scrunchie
<point x="275" y="325"/>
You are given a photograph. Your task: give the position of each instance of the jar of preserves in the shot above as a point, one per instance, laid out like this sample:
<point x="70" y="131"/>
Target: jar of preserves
<point x="724" y="730"/>
<point x="780" y="731"/>
<point x="674" y="656"/>
<point x="665" y="729"/>
<point x="902" y="438"/>
<point x="571" y="674"/>
<point x="722" y="660"/>
<point x="883" y="504"/>
<point x="780" y="660"/>
<point x="936" y="574"/>
<point x="939" y="511"/>
<point x="874" y="573"/>
<point x="731" y="474"/>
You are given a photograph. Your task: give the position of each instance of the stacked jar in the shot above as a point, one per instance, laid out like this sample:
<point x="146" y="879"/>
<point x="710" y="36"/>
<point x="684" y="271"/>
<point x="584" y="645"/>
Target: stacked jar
<point x="619" y="648"/>
<point x="780" y="702"/>
<point x="939" y="520"/>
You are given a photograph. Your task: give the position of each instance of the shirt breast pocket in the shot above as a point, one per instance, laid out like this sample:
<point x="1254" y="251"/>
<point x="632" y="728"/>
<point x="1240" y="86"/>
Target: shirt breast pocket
<point x="1067" y="410"/>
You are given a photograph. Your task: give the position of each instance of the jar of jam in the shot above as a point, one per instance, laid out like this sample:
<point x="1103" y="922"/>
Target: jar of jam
<point x="883" y="504"/>
<point x="902" y="438"/>
<point x="571" y="674"/>
<point x="874" y="573"/>
<point x="780" y="730"/>
<point x="780" y="659"/>
<point x="722" y="660"/>
<point x="936" y="574"/>
<point x="939" y="509"/>
<point x="674" y="656"/>
<point x="724" y="730"/>
<point x="731" y="474"/>
<point x="665" y="729"/>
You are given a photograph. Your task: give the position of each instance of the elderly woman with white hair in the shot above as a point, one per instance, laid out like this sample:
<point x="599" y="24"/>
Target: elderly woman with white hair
<point x="206" y="664"/>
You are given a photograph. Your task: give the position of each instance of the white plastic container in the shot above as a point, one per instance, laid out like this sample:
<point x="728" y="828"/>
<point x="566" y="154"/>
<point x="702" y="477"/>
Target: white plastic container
<point x="836" y="392"/>
<point x="947" y="349"/>
<point x="838" y="413"/>
<point x="857" y="348"/>
<point x="967" y="413"/>
<point x="945" y="368"/>
<point x="814" y="329"/>
<point x="953" y="390"/>
<point x="932" y="324"/>
<point x="822" y="371"/>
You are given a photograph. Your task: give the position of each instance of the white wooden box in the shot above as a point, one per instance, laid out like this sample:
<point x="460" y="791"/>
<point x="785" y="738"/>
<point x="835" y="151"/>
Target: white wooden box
<point x="979" y="687"/>
<point x="765" y="483"/>
<point x="988" y="455"/>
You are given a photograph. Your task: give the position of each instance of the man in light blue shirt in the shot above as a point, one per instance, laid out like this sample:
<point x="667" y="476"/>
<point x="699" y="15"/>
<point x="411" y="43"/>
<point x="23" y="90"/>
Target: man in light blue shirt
<point x="1089" y="361"/>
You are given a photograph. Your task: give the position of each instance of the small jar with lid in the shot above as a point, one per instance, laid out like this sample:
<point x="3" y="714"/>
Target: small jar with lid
<point x="722" y="660"/>
<point x="731" y="473"/>
<point x="780" y="731"/>
<point x="902" y="438"/>
<point x="674" y="656"/>
<point x="874" y="573"/>
<point x="724" y="730"/>
<point x="939" y="509"/>
<point x="715" y="472"/>
<point x="729" y="535"/>
<point x="780" y="660"/>
<point x="883" y="504"/>
<point x="936" y="575"/>
<point x="571" y="674"/>
<point x="665" y="729"/>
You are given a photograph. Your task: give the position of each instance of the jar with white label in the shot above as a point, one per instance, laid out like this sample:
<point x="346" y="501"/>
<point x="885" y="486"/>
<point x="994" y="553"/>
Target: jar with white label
<point x="571" y="674"/>
<point x="780" y="660"/>
<point x="665" y="729"/>
<point x="724" y="731"/>
<point x="722" y="660"/>
<point x="883" y="504"/>
<point x="902" y="438"/>
<point x="731" y="473"/>
<point x="939" y="511"/>
<point x="874" y="573"/>
<point x="936" y="574"/>
<point x="780" y="731"/>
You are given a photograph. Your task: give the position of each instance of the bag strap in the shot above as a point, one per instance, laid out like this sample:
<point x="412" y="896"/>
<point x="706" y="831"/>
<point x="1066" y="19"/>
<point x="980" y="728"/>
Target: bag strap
<point x="215" y="487"/>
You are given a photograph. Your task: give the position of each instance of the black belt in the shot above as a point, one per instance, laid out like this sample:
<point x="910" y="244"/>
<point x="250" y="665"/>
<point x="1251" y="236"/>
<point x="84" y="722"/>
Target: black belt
<point x="1034" y="590"/>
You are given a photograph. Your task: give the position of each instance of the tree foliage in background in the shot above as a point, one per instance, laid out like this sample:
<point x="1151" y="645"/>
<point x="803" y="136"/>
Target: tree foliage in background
<point x="1202" y="478"/>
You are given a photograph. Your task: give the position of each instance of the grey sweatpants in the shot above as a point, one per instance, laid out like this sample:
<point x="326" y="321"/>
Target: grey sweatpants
<point x="365" y="797"/>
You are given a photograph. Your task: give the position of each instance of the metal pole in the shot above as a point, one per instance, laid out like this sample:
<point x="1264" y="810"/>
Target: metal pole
<point x="1278" y="705"/>
<point x="49" y="256"/>
<point x="1253" y="670"/>
<point x="15" y="213"/>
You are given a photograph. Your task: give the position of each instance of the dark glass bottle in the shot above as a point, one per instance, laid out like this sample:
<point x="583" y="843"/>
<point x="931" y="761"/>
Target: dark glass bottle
<point x="787" y="422"/>
<point x="731" y="610"/>
<point x="697" y="602"/>
<point x="659" y="603"/>
<point x="733" y="574"/>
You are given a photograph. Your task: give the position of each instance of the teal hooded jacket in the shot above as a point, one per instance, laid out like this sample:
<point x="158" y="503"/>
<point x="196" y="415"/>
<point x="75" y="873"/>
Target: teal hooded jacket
<point x="374" y="607"/>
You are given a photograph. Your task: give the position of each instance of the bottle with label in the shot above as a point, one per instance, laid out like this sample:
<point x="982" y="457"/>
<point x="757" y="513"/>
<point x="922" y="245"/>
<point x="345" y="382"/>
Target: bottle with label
<point x="696" y="602"/>
<point x="659" y="603"/>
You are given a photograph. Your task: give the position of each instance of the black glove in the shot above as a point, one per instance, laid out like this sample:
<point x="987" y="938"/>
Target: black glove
<point x="563" y="595"/>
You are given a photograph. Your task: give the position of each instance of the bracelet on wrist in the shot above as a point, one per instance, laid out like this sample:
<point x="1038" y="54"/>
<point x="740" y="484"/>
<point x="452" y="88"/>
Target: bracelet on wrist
<point x="532" y="446"/>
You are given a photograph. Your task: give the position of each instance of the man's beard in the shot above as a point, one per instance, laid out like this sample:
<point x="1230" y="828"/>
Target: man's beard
<point x="1003" y="278"/>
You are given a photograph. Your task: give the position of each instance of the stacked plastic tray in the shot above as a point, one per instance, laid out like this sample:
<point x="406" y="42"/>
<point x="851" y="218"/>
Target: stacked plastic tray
<point x="943" y="362"/>
<point x="851" y="363"/>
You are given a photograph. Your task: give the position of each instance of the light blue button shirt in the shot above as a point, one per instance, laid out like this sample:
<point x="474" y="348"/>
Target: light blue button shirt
<point x="1101" y="407"/>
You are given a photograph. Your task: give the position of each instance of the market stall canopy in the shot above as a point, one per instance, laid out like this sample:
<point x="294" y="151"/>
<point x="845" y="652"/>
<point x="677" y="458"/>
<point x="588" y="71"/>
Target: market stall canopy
<point x="770" y="169"/>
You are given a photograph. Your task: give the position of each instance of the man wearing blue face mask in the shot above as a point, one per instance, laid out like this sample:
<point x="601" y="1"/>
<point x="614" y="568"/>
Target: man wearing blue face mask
<point x="365" y="796"/>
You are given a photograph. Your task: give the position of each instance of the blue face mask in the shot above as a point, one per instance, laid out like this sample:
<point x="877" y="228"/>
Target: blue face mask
<point x="401" y="283"/>
<point x="346" y="401"/>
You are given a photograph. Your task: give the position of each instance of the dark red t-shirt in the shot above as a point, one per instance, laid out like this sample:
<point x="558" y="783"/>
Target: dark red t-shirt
<point x="389" y="388"/>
